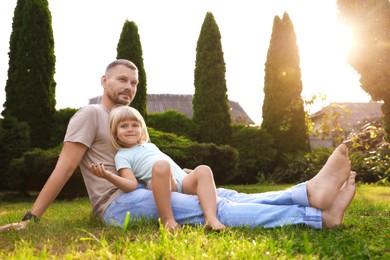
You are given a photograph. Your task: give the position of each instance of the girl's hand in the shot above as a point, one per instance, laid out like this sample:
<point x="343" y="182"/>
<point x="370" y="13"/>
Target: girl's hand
<point x="188" y="171"/>
<point x="99" y="170"/>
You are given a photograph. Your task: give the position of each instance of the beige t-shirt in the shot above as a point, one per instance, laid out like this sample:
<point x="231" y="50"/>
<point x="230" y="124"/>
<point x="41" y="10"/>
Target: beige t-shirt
<point x="89" y="126"/>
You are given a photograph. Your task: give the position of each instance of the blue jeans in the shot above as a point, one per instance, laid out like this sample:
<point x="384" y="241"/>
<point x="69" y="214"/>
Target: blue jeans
<point x="269" y="209"/>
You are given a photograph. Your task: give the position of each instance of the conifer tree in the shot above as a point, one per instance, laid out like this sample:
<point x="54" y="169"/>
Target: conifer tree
<point x="30" y="87"/>
<point x="129" y="47"/>
<point x="283" y="110"/>
<point x="210" y="103"/>
<point x="369" y="22"/>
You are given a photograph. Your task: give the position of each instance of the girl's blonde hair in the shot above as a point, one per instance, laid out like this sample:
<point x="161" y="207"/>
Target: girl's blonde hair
<point x="122" y="113"/>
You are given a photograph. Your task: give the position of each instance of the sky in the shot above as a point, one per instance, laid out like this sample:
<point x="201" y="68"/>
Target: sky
<point x="86" y="34"/>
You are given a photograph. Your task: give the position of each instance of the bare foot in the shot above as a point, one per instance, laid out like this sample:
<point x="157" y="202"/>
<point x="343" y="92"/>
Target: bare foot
<point x="214" y="224"/>
<point x="333" y="216"/>
<point x="171" y="224"/>
<point x="323" y="188"/>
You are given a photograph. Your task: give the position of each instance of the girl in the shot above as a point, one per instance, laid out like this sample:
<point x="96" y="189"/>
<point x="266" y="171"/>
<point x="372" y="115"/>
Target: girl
<point x="138" y="159"/>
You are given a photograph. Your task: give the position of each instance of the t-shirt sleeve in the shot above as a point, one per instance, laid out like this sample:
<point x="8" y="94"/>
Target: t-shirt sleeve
<point x="82" y="126"/>
<point x="121" y="161"/>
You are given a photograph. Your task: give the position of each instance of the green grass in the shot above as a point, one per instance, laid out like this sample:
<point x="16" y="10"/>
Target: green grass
<point x="67" y="231"/>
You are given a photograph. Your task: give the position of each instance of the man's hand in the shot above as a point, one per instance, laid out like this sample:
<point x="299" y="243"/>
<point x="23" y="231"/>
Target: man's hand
<point x="14" y="226"/>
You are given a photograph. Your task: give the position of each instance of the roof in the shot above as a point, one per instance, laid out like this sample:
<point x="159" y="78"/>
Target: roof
<point x="351" y="114"/>
<point x="158" y="103"/>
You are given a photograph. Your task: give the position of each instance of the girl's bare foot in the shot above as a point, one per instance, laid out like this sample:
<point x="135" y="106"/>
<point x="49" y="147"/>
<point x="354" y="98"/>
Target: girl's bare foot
<point x="214" y="224"/>
<point x="323" y="188"/>
<point x="333" y="216"/>
<point x="171" y="224"/>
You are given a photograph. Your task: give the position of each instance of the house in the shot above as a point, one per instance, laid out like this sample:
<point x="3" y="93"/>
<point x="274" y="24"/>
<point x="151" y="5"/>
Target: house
<point x="347" y="116"/>
<point x="158" y="103"/>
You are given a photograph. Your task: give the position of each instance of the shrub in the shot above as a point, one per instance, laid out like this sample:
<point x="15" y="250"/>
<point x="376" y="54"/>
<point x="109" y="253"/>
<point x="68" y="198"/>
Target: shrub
<point x="370" y="153"/>
<point x="301" y="167"/>
<point x="31" y="171"/>
<point x="61" y="120"/>
<point x="255" y="152"/>
<point x="174" y="122"/>
<point x="222" y="159"/>
<point x="14" y="141"/>
<point x="373" y="166"/>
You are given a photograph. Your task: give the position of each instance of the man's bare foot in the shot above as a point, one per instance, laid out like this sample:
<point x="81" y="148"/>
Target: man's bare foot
<point x="333" y="216"/>
<point x="214" y="224"/>
<point x="323" y="188"/>
<point x="171" y="224"/>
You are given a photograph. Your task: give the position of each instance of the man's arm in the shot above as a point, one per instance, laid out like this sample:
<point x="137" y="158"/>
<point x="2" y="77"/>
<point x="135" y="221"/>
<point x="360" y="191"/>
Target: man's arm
<point x="69" y="159"/>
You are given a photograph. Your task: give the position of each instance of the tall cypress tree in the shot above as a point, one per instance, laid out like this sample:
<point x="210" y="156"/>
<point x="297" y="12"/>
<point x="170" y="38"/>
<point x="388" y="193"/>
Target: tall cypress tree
<point x="129" y="47"/>
<point x="370" y="57"/>
<point x="210" y="103"/>
<point x="30" y="87"/>
<point x="283" y="111"/>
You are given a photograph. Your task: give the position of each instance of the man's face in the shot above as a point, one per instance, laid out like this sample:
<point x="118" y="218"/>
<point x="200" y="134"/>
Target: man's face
<point x="120" y="84"/>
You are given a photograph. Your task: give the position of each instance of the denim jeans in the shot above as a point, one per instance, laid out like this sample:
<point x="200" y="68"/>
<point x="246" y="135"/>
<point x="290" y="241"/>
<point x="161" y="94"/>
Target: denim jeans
<point x="269" y="209"/>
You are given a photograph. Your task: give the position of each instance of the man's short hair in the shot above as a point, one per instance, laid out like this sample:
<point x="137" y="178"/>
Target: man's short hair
<point x="124" y="62"/>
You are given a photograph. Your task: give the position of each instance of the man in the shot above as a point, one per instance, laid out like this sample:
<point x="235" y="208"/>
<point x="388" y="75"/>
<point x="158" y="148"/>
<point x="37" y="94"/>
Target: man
<point x="320" y="202"/>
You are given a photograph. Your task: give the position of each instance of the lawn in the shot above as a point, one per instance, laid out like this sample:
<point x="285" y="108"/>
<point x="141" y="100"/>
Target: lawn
<point x="67" y="231"/>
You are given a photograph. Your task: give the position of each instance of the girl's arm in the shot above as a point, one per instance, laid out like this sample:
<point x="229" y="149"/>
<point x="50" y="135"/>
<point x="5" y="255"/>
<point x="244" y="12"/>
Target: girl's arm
<point x="125" y="181"/>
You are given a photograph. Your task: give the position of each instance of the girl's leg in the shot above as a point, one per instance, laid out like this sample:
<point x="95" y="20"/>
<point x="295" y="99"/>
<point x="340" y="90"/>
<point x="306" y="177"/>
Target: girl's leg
<point x="201" y="182"/>
<point x="161" y="186"/>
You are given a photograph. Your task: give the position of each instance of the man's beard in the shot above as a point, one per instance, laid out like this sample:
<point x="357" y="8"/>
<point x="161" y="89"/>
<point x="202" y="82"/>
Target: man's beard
<point x="118" y="101"/>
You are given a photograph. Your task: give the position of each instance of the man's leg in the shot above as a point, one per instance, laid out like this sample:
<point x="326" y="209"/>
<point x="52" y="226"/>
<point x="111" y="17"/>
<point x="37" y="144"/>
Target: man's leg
<point x="187" y="210"/>
<point x="327" y="182"/>
<point x="333" y="216"/>
<point x="282" y="197"/>
<point x="140" y="204"/>
<point x="323" y="188"/>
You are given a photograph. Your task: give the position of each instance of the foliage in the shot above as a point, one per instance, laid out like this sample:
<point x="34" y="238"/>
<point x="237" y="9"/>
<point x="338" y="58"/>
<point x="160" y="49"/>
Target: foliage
<point x="295" y="168"/>
<point x="130" y="48"/>
<point x="374" y="167"/>
<point x="283" y="111"/>
<point x="14" y="141"/>
<point x="256" y="154"/>
<point x="61" y="120"/>
<point x="174" y="122"/>
<point x="331" y="123"/>
<point x="210" y="102"/>
<point x="222" y="159"/>
<point x="31" y="171"/>
<point x="369" y="22"/>
<point x="30" y="87"/>
<point x="370" y="154"/>
<point x="68" y="231"/>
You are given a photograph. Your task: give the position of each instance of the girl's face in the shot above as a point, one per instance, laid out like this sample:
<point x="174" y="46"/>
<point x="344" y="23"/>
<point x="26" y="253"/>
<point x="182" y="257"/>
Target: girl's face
<point x="129" y="132"/>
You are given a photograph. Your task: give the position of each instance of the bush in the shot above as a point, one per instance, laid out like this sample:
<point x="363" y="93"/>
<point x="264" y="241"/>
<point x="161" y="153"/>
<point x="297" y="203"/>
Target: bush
<point x="174" y="122"/>
<point x="14" y="141"/>
<point x="301" y="167"/>
<point x="187" y="154"/>
<point x="373" y="166"/>
<point x="61" y="120"/>
<point x="370" y="153"/>
<point x="31" y="171"/>
<point x="255" y="152"/>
